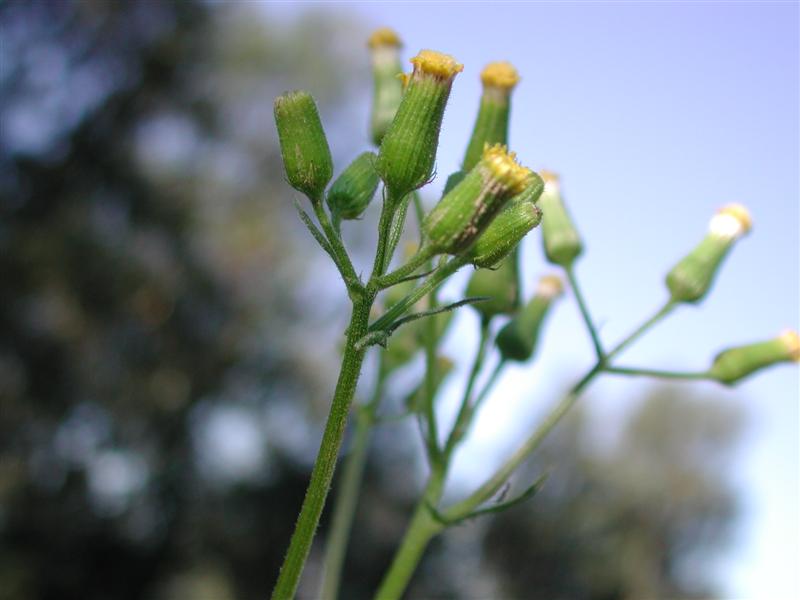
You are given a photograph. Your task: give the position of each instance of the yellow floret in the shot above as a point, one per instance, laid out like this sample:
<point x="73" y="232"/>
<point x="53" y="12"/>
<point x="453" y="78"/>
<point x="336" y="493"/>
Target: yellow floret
<point x="384" y="37"/>
<point x="436" y="63"/>
<point x="404" y="77"/>
<point x="792" y="341"/>
<point x="548" y="176"/>
<point x="504" y="167"/>
<point x="550" y="286"/>
<point x="500" y="74"/>
<point x="740" y="213"/>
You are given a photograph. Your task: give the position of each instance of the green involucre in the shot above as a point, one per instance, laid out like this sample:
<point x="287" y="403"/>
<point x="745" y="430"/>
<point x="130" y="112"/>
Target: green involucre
<point x="518" y="339"/>
<point x="408" y="150"/>
<point x="491" y="127"/>
<point x="466" y="211"/>
<point x="562" y="243"/>
<point x="304" y="147"/>
<point x="387" y="91"/>
<point x="500" y="284"/>
<point x="506" y="231"/>
<point x="731" y="366"/>
<point x="691" y="279"/>
<point x="353" y="190"/>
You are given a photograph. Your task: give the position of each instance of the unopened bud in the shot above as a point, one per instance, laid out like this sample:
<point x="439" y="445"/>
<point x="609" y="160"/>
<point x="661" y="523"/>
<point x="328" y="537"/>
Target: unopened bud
<point x="691" y="279"/>
<point x="465" y="211"/>
<point x="562" y="244"/>
<point x="731" y="366"/>
<point x="385" y="46"/>
<point x="353" y="190"/>
<point x="518" y="339"/>
<point x="506" y="231"/>
<point x="491" y="125"/>
<point x="500" y="285"/>
<point x="304" y="147"/>
<point x="408" y="150"/>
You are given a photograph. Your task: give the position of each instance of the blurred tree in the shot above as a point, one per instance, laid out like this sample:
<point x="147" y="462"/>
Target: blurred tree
<point x="153" y="367"/>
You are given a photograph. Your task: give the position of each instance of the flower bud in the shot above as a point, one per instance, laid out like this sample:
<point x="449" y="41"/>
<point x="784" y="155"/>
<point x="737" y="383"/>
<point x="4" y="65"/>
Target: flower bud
<point x="518" y="339"/>
<point x="692" y="277"/>
<point x="731" y="366"/>
<point x="466" y="210"/>
<point x="306" y="156"/>
<point x="562" y="244"/>
<point x="506" y="231"/>
<point x="500" y="285"/>
<point x="385" y="47"/>
<point x="491" y="125"/>
<point x="408" y="150"/>
<point x="353" y="190"/>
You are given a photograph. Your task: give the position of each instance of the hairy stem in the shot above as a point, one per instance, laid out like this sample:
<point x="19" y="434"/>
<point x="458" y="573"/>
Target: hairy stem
<point x="346" y="498"/>
<point x="430" y="284"/>
<point x="322" y="474"/>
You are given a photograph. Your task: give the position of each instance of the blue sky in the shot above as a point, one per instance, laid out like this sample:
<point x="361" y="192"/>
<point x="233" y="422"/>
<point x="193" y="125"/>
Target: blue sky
<point x="655" y="115"/>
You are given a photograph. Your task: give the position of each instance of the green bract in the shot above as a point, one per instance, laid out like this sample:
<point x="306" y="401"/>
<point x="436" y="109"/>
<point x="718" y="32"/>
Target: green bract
<point x="388" y="89"/>
<point x="731" y="366"/>
<point x="466" y="210"/>
<point x="518" y="339"/>
<point x="692" y="277"/>
<point x="408" y="150"/>
<point x="562" y="244"/>
<point x="353" y="190"/>
<point x="491" y="124"/>
<point x="500" y="285"/>
<point x="506" y="231"/>
<point x="304" y="147"/>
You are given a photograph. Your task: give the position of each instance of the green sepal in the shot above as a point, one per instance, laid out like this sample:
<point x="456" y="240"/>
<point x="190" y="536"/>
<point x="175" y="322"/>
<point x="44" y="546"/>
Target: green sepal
<point x="306" y="156"/>
<point x="408" y="150"/>
<point x="735" y="364"/>
<point x="562" y="243"/>
<point x="500" y="284"/>
<point x="491" y="127"/>
<point x="354" y="189"/>
<point x="453" y="181"/>
<point x="691" y="279"/>
<point x="505" y="232"/>
<point x="387" y="91"/>
<point x="518" y="339"/>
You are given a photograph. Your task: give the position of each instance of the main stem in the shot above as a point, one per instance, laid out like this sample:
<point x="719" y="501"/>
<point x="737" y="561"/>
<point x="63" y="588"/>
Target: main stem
<point x="347" y="494"/>
<point x="322" y="474"/>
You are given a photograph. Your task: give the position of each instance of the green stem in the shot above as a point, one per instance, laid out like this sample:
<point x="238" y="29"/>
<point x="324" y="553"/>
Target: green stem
<point x="464" y="412"/>
<point x="384" y="233"/>
<point x="430" y="340"/>
<point x="396" y="276"/>
<point x="325" y="464"/>
<point x="430" y="284"/>
<point x="421" y="530"/>
<point x="498" y="479"/>
<point x="639" y="331"/>
<point x="587" y="318"/>
<point x="659" y="374"/>
<point x="343" y="261"/>
<point x="487" y="386"/>
<point x="424" y="527"/>
<point x="347" y="493"/>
